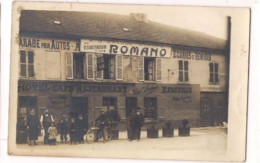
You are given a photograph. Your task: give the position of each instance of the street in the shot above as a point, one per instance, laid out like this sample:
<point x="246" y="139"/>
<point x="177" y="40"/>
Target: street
<point x="203" y="144"/>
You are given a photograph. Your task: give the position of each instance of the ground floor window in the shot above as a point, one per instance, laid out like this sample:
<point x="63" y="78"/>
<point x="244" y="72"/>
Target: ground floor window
<point x="110" y="103"/>
<point x="150" y="107"/>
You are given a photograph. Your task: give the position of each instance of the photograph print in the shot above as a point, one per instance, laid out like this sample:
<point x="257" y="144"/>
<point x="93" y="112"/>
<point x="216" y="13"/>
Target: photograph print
<point x="128" y="81"/>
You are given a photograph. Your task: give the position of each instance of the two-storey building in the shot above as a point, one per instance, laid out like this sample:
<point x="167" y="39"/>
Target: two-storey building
<point x="82" y="61"/>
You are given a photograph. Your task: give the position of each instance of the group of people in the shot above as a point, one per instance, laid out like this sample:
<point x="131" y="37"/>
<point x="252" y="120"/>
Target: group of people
<point x="76" y="128"/>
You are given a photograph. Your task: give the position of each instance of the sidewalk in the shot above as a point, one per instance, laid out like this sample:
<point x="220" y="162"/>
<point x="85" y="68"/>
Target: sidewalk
<point x="203" y="144"/>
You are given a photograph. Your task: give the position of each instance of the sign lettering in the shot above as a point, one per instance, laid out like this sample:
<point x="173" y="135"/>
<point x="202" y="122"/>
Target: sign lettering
<point x="123" y="48"/>
<point x="183" y="54"/>
<point x="48" y="44"/>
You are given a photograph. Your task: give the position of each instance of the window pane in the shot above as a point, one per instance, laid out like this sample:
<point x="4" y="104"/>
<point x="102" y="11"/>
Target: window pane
<point x="30" y="57"/>
<point x="211" y="67"/>
<point x="186" y="65"/>
<point x="180" y="65"/>
<point x="180" y="75"/>
<point x="186" y="76"/>
<point x="22" y="57"/>
<point x="216" y="78"/>
<point x="216" y="67"/>
<point x="211" y="79"/>
<point x="31" y="70"/>
<point x="23" y="69"/>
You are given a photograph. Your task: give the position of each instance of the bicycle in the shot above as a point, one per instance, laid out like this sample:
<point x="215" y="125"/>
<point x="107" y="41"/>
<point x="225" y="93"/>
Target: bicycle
<point x="94" y="133"/>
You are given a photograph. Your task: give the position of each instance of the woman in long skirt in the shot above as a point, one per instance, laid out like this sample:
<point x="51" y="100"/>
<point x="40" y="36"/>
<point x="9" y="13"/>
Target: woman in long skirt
<point x="33" y="127"/>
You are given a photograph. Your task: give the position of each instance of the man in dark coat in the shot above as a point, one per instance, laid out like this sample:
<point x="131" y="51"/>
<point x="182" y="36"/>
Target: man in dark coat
<point x="33" y="127"/>
<point x="139" y="122"/>
<point x="132" y="125"/>
<point x="102" y="123"/>
<point x="73" y="131"/>
<point x="64" y="127"/>
<point x="46" y="120"/>
<point x="81" y="129"/>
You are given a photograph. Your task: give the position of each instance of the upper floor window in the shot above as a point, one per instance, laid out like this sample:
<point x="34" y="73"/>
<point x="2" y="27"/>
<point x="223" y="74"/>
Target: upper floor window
<point x="79" y="66"/>
<point x="213" y="70"/>
<point x="109" y="67"/>
<point x="183" y="71"/>
<point x="26" y="63"/>
<point x="149" y="69"/>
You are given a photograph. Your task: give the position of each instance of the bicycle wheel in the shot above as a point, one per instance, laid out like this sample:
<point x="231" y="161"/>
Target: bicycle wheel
<point x="90" y="136"/>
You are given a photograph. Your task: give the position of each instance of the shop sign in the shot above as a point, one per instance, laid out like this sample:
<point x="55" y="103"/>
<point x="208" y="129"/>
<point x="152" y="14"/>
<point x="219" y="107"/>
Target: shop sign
<point x="123" y="48"/>
<point x="53" y="44"/>
<point x="185" y="54"/>
<point x="70" y="87"/>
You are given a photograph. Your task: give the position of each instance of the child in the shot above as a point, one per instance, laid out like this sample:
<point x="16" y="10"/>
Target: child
<point x="64" y="125"/>
<point x="72" y="130"/>
<point x="52" y="134"/>
<point x="81" y="129"/>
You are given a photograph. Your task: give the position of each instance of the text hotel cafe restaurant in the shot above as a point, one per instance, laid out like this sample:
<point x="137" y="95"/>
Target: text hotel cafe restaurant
<point x="83" y="62"/>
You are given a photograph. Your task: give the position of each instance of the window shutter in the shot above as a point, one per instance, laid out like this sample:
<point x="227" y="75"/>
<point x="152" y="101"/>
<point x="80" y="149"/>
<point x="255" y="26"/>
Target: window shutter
<point x="22" y="63"/>
<point x="186" y="70"/>
<point x="158" y="69"/>
<point x="89" y="66"/>
<point x="69" y="65"/>
<point x="99" y="73"/>
<point x="211" y="77"/>
<point x="30" y="64"/>
<point x="180" y="71"/>
<point x="141" y="68"/>
<point x="216" y="73"/>
<point x="119" y="67"/>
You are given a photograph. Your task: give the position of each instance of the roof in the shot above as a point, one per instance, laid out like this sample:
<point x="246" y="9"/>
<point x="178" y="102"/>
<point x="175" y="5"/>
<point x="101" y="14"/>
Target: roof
<point x="112" y="26"/>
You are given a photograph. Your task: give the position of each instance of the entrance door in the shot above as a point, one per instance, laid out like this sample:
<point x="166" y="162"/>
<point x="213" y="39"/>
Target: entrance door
<point x="130" y="105"/>
<point x="205" y="112"/>
<point x="79" y="105"/>
<point x="26" y="103"/>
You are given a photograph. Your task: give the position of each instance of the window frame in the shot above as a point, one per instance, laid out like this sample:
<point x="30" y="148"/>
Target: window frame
<point x="83" y="55"/>
<point x="183" y="71"/>
<point x="214" y="72"/>
<point x="27" y="63"/>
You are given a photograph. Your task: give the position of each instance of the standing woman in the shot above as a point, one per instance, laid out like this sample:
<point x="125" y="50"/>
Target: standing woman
<point x="33" y="127"/>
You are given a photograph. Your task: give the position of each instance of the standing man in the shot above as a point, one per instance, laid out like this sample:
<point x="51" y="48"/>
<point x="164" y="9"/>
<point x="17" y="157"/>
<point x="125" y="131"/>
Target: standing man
<point x="81" y="128"/>
<point x="102" y="123"/>
<point x="139" y="117"/>
<point x="46" y="120"/>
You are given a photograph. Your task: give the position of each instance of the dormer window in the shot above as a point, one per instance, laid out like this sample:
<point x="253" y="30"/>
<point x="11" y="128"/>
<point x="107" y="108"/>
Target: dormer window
<point x="57" y="22"/>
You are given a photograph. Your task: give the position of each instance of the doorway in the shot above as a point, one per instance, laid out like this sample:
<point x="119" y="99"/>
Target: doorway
<point x="130" y="105"/>
<point x="79" y="105"/>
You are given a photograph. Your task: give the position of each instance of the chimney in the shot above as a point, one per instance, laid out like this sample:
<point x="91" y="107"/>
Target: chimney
<point x="140" y="17"/>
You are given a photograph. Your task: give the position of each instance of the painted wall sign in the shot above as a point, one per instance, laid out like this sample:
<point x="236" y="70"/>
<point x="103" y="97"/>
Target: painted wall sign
<point x="48" y="44"/>
<point x="123" y="48"/>
<point x="184" y="54"/>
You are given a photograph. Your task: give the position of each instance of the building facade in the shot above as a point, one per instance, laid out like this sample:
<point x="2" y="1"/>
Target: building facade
<point x="68" y="70"/>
